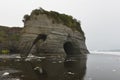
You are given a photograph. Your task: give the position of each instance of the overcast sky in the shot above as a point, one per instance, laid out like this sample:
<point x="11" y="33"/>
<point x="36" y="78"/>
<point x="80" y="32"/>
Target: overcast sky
<point x="100" y="18"/>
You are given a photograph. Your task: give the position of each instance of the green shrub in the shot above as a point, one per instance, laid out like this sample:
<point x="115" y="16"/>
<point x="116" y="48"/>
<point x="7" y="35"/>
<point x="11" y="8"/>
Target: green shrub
<point x="26" y="17"/>
<point x="5" y="51"/>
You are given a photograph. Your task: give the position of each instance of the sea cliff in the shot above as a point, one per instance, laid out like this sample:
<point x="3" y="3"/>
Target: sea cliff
<point x="51" y="33"/>
<point x="45" y="33"/>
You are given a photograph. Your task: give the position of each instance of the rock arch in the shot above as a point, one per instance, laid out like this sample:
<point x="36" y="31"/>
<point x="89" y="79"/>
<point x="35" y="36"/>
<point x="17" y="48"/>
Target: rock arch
<point x="29" y="44"/>
<point x="58" y="38"/>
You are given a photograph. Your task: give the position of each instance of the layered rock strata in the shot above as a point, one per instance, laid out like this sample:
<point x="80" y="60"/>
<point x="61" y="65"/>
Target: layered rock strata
<point x="43" y="35"/>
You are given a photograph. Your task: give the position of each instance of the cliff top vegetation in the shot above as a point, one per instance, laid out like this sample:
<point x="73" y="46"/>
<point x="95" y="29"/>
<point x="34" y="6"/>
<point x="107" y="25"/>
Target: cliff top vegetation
<point x="7" y="33"/>
<point x="67" y="20"/>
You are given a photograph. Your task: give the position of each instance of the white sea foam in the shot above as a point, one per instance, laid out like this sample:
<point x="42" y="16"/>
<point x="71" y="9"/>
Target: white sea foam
<point x="105" y="52"/>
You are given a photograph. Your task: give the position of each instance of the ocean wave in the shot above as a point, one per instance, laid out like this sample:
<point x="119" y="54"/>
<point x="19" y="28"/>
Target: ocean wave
<point x="105" y="52"/>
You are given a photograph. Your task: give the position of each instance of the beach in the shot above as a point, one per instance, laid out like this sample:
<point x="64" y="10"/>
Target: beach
<point x="83" y="67"/>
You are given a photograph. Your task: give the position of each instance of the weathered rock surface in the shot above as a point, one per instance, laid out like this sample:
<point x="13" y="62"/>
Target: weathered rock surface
<point x="42" y="35"/>
<point x="9" y="38"/>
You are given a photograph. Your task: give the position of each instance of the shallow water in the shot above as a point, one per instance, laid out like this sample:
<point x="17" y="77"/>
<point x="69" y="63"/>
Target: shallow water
<point x="81" y="67"/>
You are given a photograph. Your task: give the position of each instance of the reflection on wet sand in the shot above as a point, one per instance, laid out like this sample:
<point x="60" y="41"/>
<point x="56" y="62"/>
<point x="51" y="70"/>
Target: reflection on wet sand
<point x="73" y="68"/>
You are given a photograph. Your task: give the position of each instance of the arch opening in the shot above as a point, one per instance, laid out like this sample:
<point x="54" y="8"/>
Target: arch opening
<point x="38" y="42"/>
<point x="40" y="37"/>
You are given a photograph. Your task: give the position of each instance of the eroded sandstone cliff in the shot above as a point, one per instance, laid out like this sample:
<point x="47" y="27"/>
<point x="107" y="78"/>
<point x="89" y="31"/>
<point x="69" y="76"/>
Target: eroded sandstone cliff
<point x="51" y="33"/>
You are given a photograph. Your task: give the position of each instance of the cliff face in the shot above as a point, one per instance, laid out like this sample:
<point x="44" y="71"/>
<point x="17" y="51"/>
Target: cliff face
<point x="43" y="35"/>
<point x="9" y="38"/>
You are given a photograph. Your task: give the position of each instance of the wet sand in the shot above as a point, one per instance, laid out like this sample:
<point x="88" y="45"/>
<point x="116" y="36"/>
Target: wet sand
<point x="82" y="67"/>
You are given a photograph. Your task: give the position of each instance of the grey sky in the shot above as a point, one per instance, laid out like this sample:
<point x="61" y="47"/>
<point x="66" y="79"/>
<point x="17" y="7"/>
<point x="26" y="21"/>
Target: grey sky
<point x="100" y="18"/>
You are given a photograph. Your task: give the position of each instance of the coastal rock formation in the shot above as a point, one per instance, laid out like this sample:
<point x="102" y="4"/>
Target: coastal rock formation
<point x="9" y="39"/>
<point x="51" y="33"/>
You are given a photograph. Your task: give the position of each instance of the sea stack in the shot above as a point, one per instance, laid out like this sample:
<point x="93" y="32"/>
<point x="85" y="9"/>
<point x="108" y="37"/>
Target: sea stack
<point x="51" y="33"/>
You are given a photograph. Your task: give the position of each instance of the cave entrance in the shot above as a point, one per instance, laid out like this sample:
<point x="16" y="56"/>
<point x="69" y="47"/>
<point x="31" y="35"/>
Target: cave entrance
<point x="71" y="49"/>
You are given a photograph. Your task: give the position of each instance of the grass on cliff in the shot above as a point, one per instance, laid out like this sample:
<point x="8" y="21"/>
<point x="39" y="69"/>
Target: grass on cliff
<point x="67" y="20"/>
<point x="9" y="38"/>
<point x="7" y="33"/>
